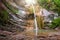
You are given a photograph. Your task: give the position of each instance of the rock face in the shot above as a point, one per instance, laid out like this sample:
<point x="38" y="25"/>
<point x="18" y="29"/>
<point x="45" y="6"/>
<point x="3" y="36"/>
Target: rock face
<point x="12" y="26"/>
<point x="48" y="37"/>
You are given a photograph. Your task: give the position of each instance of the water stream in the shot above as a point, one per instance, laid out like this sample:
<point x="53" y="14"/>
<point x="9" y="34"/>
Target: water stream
<point x="35" y="21"/>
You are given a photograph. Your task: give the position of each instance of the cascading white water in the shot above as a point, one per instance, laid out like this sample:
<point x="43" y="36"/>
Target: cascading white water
<point x="35" y="21"/>
<point x="32" y="2"/>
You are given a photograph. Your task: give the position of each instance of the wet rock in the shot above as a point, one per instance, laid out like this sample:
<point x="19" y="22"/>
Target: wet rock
<point x="58" y="28"/>
<point x="41" y="37"/>
<point x="52" y="38"/>
<point x="18" y="37"/>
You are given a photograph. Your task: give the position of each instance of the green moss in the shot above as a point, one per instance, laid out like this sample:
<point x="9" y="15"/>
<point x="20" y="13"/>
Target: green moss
<point x="40" y="22"/>
<point x="3" y="15"/>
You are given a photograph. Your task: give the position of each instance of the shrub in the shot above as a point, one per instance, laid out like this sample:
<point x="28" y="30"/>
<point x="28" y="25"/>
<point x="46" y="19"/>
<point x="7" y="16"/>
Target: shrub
<point x="55" y="23"/>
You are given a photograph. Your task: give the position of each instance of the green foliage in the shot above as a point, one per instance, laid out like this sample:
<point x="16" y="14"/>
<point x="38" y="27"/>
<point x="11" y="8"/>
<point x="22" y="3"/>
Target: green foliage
<point x="53" y="5"/>
<point x="4" y="15"/>
<point x="57" y="2"/>
<point x="3" y="11"/>
<point x="55" y="23"/>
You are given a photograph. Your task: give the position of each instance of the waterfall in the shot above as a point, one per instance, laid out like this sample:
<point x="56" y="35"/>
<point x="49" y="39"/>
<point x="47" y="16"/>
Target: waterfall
<point x="35" y="22"/>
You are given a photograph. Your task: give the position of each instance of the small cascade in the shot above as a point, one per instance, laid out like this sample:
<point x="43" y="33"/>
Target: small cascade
<point x="35" y="22"/>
